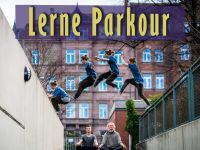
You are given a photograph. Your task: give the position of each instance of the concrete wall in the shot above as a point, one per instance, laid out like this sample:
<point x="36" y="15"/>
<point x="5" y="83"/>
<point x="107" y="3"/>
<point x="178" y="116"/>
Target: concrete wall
<point x="185" y="137"/>
<point x="27" y="118"/>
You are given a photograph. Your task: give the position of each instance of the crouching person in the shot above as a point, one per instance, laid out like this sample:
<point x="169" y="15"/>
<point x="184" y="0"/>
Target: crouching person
<point x="111" y="139"/>
<point x="59" y="96"/>
<point x="88" y="140"/>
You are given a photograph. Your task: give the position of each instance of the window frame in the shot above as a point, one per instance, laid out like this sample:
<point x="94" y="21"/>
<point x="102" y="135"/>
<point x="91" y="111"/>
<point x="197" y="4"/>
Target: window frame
<point x="70" y="55"/>
<point x="71" y="109"/>
<point x="71" y="83"/>
<point x="82" y="112"/>
<point x="159" y="82"/>
<point x="104" y="85"/>
<point x="160" y="55"/>
<point x="183" y="53"/>
<point x="145" y="54"/>
<point x="37" y="61"/>
<point x="150" y="77"/>
<point x="104" y="110"/>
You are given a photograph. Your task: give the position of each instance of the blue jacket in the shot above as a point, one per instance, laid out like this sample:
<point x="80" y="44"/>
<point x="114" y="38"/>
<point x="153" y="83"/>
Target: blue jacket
<point x="59" y="92"/>
<point x="136" y="73"/>
<point x="89" y="70"/>
<point x="113" y="65"/>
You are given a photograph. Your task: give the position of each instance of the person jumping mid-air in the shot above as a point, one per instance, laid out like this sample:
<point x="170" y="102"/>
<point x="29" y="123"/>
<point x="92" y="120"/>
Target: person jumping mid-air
<point x="113" y="73"/>
<point x="91" y="76"/>
<point x="137" y="79"/>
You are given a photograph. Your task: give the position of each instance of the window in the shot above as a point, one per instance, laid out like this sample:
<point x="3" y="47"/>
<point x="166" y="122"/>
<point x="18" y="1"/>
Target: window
<point x="70" y="83"/>
<point x="70" y="110"/>
<point x="101" y="54"/>
<point x="186" y="27"/>
<point x="147" y="80"/>
<point x="119" y="82"/>
<point x="184" y="52"/>
<point x="103" y="111"/>
<point x="81" y="53"/>
<point x="70" y="56"/>
<point x="160" y="81"/>
<point x="35" y="57"/>
<point x="83" y="110"/>
<point x="146" y="55"/>
<point x="103" y="86"/>
<point x="84" y="33"/>
<point x="158" y="56"/>
<point x="118" y="57"/>
<point x="81" y="78"/>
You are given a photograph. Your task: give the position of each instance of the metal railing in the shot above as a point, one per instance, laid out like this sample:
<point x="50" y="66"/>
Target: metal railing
<point x="178" y="105"/>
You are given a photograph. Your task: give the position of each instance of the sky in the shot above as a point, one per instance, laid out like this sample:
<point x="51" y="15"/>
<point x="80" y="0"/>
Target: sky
<point x="8" y="6"/>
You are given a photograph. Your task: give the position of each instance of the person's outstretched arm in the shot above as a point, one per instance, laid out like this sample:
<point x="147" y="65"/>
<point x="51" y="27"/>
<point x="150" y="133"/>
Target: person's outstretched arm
<point x="123" y="61"/>
<point x="120" y="141"/>
<point x="95" y="141"/>
<point x="79" y="143"/>
<point x="101" y="59"/>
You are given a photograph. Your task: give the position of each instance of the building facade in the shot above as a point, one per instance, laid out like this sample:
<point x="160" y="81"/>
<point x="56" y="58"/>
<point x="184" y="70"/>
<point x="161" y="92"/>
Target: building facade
<point x="159" y="63"/>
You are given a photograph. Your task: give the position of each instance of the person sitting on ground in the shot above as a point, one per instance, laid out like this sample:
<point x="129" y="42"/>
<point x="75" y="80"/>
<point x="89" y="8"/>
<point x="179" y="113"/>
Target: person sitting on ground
<point x="59" y="96"/>
<point x="88" y="140"/>
<point x="111" y="139"/>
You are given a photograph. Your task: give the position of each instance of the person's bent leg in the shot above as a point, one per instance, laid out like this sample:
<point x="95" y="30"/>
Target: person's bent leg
<point x="126" y="82"/>
<point x="141" y="94"/>
<point x="82" y="85"/>
<point x="119" y="147"/>
<point x="55" y="102"/>
<point x="104" y="148"/>
<point x="101" y="77"/>
<point x="79" y="148"/>
<point x="110" y="80"/>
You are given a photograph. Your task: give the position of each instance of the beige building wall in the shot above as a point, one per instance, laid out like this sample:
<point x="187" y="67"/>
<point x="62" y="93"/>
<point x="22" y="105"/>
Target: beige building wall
<point x="28" y="120"/>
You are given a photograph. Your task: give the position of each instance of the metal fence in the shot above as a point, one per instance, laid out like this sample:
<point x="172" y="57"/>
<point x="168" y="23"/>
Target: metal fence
<point x="178" y="105"/>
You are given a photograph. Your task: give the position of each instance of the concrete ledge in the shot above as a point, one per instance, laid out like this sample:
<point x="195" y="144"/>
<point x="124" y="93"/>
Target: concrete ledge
<point x="184" y="137"/>
<point x="28" y="120"/>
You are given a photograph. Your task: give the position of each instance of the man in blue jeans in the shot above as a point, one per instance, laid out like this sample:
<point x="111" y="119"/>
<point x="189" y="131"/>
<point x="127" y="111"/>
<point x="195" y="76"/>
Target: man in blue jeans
<point x="59" y="96"/>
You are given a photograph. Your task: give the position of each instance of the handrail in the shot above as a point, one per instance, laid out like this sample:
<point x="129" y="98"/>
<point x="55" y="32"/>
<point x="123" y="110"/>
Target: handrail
<point x="179" y="100"/>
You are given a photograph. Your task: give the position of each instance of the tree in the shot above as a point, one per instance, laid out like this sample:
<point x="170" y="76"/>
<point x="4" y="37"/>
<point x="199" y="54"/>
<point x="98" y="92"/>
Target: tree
<point x="154" y="98"/>
<point x="132" y="123"/>
<point x="49" y="61"/>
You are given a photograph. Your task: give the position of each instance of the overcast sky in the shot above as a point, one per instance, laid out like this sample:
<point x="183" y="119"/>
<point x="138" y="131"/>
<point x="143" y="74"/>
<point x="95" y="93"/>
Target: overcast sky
<point x="8" y="6"/>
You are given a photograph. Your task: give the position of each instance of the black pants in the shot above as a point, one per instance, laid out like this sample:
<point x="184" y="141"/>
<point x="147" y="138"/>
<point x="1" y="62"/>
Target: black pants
<point x="87" y="82"/>
<point x="119" y="147"/>
<point x="86" y="148"/>
<point x="138" y="86"/>
<point x="109" y="76"/>
<point x="55" y="101"/>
